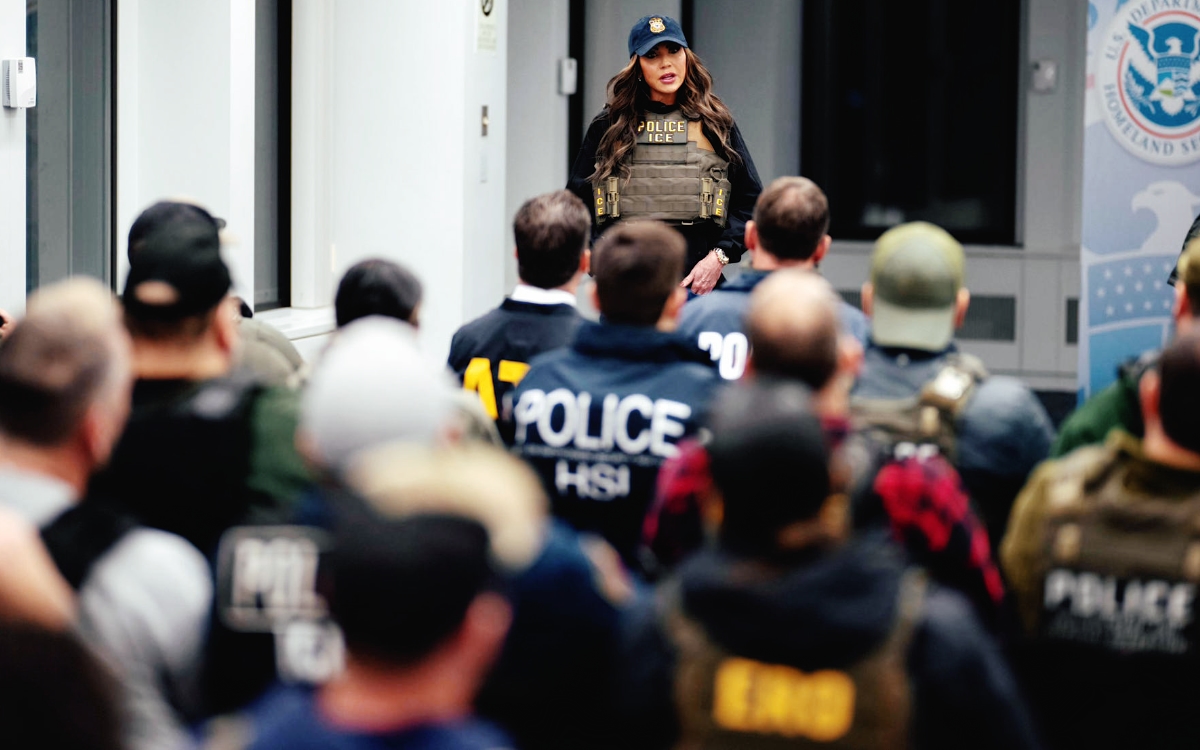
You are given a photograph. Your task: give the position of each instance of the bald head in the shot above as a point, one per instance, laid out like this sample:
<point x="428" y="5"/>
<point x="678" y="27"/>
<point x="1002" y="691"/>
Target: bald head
<point x="70" y="352"/>
<point x="792" y="323"/>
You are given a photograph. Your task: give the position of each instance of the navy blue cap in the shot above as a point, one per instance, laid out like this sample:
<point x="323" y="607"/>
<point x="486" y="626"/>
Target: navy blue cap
<point x="651" y="31"/>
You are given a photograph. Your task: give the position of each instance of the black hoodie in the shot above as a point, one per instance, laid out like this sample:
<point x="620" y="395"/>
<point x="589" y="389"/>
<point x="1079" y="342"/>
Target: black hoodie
<point x="827" y="610"/>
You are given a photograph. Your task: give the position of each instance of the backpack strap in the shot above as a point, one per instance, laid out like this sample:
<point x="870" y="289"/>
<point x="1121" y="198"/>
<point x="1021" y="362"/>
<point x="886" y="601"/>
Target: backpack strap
<point x="951" y="389"/>
<point x="80" y="536"/>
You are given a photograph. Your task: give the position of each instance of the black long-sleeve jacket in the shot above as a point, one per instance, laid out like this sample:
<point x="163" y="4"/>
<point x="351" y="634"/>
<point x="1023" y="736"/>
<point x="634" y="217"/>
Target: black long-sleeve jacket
<point x="702" y="236"/>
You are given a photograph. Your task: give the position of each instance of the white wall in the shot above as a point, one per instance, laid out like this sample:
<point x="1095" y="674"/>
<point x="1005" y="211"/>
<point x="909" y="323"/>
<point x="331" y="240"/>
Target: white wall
<point x="185" y="116"/>
<point x="537" y="114"/>
<point x="484" y="214"/>
<point x="606" y="49"/>
<point x="12" y="169"/>
<point x="411" y="178"/>
<point x="752" y="49"/>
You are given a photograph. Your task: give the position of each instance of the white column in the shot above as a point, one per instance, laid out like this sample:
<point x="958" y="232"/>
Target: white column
<point x="185" y="116"/>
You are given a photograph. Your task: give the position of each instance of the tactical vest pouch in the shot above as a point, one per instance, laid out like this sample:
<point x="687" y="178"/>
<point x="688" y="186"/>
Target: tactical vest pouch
<point x="731" y="703"/>
<point x="925" y="422"/>
<point x="1120" y="568"/>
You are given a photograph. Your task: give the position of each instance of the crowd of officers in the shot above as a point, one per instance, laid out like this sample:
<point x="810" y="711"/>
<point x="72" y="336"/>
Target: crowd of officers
<point x="758" y="518"/>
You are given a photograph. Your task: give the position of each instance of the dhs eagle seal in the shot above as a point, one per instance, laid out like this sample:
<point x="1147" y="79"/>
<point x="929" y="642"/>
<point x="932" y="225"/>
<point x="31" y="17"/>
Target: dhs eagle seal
<point x="1148" y="79"/>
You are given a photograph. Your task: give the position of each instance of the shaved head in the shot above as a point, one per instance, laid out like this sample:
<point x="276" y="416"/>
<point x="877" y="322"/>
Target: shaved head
<point x="793" y="326"/>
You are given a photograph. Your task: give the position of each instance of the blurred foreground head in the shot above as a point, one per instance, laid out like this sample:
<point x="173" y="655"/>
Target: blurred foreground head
<point x="417" y="564"/>
<point x="65" y="378"/>
<point x="373" y="386"/>
<point x="1170" y="396"/>
<point x="53" y="690"/>
<point x="1187" y="286"/>
<point x="770" y="464"/>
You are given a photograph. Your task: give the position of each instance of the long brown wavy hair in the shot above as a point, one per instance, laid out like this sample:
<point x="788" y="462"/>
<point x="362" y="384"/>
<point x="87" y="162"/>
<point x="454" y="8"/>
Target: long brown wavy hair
<point x="627" y="100"/>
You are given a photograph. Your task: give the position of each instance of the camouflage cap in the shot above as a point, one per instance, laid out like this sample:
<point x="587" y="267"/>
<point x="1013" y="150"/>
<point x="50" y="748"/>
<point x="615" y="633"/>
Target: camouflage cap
<point x="917" y="270"/>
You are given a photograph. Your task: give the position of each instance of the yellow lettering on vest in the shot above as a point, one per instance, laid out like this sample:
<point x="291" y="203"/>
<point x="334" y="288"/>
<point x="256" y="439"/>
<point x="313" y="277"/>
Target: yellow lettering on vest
<point x="772" y="700"/>
<point x="750" y="696"/>
<point x="833" y="705"/>
<point x="478" y="378"/>
<point x="512" y="372"/>
<point x="641" y="126"/>
<point x="731" y="694"/>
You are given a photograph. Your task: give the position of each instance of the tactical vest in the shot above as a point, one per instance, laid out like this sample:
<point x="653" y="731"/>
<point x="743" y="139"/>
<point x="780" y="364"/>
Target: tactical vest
<point x="1120" y="569"/>
<point x="727" y="702"/>
<point x="670" y="179"/>
<point x="926" y="421"/>
<point x="1111" y="662"/>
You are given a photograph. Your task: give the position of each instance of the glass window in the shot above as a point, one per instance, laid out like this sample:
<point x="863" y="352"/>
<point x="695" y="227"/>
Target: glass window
<point x="69" y="135"/>
<point x="911" y="112"/>
<point x="272" y="153"/>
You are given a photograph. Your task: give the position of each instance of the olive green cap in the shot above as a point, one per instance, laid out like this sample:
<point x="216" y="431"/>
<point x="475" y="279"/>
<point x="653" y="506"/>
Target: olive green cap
<point x="916" y="271"/>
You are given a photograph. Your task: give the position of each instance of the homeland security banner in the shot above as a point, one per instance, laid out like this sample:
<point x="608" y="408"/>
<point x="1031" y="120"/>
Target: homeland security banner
<point x="1141" y="177"/>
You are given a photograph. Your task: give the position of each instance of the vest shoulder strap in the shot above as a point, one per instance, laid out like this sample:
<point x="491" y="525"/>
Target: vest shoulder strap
<point x="929" y="417"/>
<point x="82" y="535"/>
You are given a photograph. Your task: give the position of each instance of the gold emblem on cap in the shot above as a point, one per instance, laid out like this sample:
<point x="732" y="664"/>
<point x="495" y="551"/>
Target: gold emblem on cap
<point x="657" y="26"/>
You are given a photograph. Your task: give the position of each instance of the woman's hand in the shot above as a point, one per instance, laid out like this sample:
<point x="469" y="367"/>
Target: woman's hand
<point x="704" y="276"/>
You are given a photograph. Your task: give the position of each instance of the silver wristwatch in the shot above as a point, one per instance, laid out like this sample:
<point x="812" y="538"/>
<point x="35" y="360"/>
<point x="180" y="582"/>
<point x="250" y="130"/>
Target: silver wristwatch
<point x="721" y="256"/>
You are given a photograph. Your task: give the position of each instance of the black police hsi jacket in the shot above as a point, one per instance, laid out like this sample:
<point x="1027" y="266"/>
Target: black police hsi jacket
<point x="597" y="419"/>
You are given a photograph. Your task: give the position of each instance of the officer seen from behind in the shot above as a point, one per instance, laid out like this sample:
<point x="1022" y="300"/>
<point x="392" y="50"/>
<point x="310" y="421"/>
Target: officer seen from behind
<point x="204" y="448"/>
<point x="786" y="633"/>
<point x="596" y="420"/>
<point x="1104" y="559"/>
<point x="993" y="429"/>
<point x="491" y="353"/>
<point x="789" y="230"/>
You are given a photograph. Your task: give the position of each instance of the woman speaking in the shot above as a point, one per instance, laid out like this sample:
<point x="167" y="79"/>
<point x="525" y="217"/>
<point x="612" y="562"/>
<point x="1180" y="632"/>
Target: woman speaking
<point x="665" y="147"/>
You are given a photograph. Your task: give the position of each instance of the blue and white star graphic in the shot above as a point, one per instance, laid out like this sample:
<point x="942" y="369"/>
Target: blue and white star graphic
<point x="1130" y="290"/>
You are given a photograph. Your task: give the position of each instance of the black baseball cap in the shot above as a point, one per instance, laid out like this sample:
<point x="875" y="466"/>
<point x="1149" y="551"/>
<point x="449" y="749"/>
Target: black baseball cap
<point x="769" y="459"/>
<point x="168" y="212"/>
<point x="175" y="265"/>
<point x="651" y="31"/>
